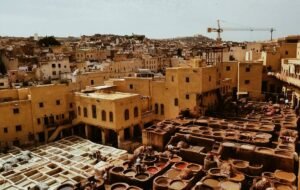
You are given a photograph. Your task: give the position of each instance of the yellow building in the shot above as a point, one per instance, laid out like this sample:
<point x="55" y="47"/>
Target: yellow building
<point x="250" y="79"/>
<point x="113" y="115"/>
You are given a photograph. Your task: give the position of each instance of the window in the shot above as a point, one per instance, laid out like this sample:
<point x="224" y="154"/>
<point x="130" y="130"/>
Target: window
<point x="5" y="130"/>
<point x="79" y="110"/>
<point x="57" y="102"/>
<point x="228" y="68"/>
<point x="85" y="112"/>
<point x="156" y="108"/>
<point x="247" y="69"/>
<point x="103" y="115"/>
<point x="247" y="81"/>
<point x="172" y="78"/>
<point x="209" y="78"/>
<point x="286" y="52"/>
<point x="53" y="72"/>
<point x="63" y="116"/>
<point x="176" y="101"/>
<point x="92" y="82"/>
<point x="38" y="121"/>
<point x="41" y="104"/>
<point x="136" y="112"/>
<point x="162" y="109"/>
<point x="59" y="65"/>
<point x="131" y="86"/>
<point x="111" y="116"/>
<point x="1" y="84"/>
<point x="71" y="105"/>
<point x="126" y="114"/>
<point x="53" y="66"/>
<point x="187" y="79"/>
<point x="16" y="110"/>
<point x="94" y="111"/>
<point x="18" y="128"/>
<point x="57" y="117"/>
<point x="187" y="96"/>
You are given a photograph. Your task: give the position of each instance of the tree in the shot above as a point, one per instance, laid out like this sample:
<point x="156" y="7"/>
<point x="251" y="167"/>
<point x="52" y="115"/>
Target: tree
<point x="48" y="41"/>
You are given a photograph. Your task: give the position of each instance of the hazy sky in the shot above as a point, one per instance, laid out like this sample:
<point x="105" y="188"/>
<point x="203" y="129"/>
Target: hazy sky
<point x="154" y="18"/>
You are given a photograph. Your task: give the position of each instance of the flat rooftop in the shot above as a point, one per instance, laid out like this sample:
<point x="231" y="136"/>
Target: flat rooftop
<point x="107" y="96"/>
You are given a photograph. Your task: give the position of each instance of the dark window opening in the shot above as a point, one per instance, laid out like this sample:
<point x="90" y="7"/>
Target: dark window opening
<point x="187" y="79"/>
<point x="57" y="102"/>
<point x="136" y="112"/>
<point x="18" y="128"/>
<point x="16" y="110"/>
<point x="176" y="101"/>
<point x="111" y="117"/>
<point x="162" y="109"/>
<point x="126" y="114"/>
<point x="85" y="112"/>
<point x="94" y="111"/>
<point x="41" y="104"/>
<point x="156" y="108"/>
<point x="103" y="115"/>
<point x="79" y="110"/>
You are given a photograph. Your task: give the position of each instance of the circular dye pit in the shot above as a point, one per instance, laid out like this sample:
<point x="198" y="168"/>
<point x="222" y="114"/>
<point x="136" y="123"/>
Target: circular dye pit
<point x="181" y="165"/>
<point x="285" y="176"/>
<point x="117" y="169"/>
<point x="194" y="167"/>
<point x="160" y="164"/>
<point x="133" y="188"/>
<point x="162" y="181"/>
<point x="152" y="170"/>
<point x="66" y="187"/>
<point x="176" y="159"/>
<point x="177" y="184"/>
<point x="129" y="173"/>
<point x="142" y="176"/>
<point x="119" y="186"/>
<point x="212" y="183"/>
<point x="228" y="185"/>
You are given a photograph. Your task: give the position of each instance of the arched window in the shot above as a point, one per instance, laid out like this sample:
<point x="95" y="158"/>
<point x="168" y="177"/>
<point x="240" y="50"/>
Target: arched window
<point x="79" y="110"/>
<point x="103" y="115"/>
<point x="111" y="116"/>
<point x="136" y="112"/>
<point x="85" y="112"/>
<point x="126" y="114"/>
<point x="162" y="109"/>
<point x="156" y="108"/>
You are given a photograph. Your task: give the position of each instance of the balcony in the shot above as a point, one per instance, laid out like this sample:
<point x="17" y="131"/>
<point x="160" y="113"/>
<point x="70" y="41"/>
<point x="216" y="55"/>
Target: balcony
<point x="292" y="79"/>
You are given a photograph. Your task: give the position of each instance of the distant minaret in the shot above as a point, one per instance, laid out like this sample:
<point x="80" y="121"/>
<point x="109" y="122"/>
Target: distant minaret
<point x="36" y="37"/>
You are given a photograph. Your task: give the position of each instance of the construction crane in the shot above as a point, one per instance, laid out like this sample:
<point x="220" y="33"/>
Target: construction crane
<point x="219" y="30"/>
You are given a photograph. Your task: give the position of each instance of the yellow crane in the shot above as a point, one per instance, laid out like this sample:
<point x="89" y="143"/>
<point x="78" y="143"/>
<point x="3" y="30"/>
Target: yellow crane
<point x="219" y="30"/>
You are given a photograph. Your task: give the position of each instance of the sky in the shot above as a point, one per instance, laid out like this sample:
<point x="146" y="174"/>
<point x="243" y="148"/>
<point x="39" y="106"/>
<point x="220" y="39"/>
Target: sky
<point x="153" y="18"/>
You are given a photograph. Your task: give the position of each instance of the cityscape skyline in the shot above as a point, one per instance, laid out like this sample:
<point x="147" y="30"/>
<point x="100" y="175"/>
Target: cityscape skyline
<point x="155" y="19"/>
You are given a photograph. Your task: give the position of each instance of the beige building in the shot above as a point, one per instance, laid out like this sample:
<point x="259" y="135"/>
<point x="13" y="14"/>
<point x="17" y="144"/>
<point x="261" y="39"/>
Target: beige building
<point x="250" y="79"/>
<point x="52" y="66"/>
<point x="113" y="115"/>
